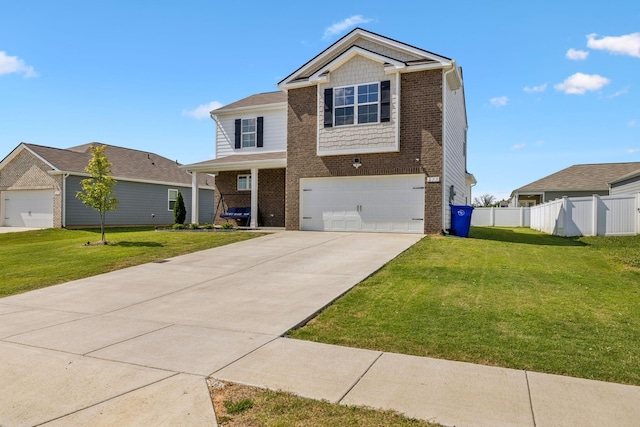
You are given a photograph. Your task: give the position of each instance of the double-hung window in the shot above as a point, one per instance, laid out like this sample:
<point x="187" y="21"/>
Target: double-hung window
<point x="244" y="182"/>
<point x="173" y="196"/>
<point x="248" y="133"/>
<point x="356" y="104"/>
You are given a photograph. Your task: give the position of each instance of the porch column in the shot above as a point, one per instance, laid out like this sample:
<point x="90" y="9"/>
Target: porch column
<point x="254" y="198"/>
<point x="195" y="198"/>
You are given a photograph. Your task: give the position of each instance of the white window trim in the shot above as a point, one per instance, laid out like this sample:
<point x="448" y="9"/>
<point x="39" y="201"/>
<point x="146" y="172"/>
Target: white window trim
<point x="355" y="104"/>
<point x="169" y="200"/>
<point x="254" y="133"/>
<point x="248" y="177"/>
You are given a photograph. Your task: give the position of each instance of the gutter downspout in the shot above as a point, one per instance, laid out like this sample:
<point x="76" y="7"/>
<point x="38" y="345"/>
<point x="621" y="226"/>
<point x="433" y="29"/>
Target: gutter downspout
<point x="444" y="145"/>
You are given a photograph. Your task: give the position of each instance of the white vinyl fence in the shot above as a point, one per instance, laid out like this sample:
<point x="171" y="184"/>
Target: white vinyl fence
<point x="501" y="217"/>
<point x="589" y="216"/>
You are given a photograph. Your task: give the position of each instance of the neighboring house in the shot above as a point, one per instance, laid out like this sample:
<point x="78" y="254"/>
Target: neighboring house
<point x="369" y="135"/>
<point x="577" y="181"/>
<point x="38" y="186"/>
<point x="626" y="184"/>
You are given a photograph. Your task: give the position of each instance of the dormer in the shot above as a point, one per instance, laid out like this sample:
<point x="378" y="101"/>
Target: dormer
<point x="256" y="124"/>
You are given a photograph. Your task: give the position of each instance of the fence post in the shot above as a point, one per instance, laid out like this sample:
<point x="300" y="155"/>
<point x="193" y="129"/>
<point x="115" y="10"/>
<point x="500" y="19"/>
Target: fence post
<point x="565" y="213"/>
<point x="638" y="211"/>
<point x="521" y="216"/>
<point x="594" y="215"/>
<point x="492" y="216"/>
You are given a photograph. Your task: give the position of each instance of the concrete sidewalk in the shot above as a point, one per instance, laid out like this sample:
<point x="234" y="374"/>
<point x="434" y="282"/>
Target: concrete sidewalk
<point x="134" y="347"/>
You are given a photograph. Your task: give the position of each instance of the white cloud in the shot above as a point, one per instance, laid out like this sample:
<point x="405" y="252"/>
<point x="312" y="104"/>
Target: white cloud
<point x="339" y="27"/>
<point x="579" y="83"/>
<point x="577" y="55"/>
<point x="519" y="146"/>
<point x="633" y="150"/>
<point x="202" y="111"/>
<point x="622" y="45"/>
<point x="620" y="92"/>
<point x="539" y="143"/>
<point x="633" y="123"/>
<point x="534" y="89"/>
<point x="13" y="64"/>
<point x="499" y="101"/>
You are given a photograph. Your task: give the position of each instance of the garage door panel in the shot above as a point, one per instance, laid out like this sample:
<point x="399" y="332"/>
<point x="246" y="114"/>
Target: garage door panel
<point x="376" y="204"/>
<point x="29" y="208"/>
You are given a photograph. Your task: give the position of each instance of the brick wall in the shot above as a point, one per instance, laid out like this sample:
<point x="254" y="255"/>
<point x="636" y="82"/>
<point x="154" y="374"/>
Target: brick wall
<point x="271" y="186"/>
<point x="27" y="172"/>
<point x="420" y="145"/>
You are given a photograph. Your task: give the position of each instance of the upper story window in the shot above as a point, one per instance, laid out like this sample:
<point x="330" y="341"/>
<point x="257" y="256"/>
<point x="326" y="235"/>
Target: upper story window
<point x="249" y="133"/>
<point x="358" y="104"/>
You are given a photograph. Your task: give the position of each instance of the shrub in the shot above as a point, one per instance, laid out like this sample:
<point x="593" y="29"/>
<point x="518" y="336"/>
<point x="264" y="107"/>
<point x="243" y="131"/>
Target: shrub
<point x="179" y="211"/>
<point x="227" y="226"/>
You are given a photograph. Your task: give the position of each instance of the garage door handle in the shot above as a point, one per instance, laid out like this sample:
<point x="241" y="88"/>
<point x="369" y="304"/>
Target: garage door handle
<point x="417" y="219"/>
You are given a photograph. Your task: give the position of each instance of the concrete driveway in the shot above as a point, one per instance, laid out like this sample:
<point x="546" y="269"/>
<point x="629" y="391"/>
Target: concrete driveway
<point x="134" y="346"/>
<point x="16" y="229"/>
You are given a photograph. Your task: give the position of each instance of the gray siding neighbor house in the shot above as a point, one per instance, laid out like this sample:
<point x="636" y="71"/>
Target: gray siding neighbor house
<point x="577" y="181"/>
<point x="627" y="184"/>
<point x="38" y="187"/>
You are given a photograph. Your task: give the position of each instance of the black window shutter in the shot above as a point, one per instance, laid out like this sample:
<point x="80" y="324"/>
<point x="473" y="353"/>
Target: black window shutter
<point x="238" y="132"/>
<point x="385" y="101"/>
<point x="259" y="125"/>
<point x="328" y="107"/>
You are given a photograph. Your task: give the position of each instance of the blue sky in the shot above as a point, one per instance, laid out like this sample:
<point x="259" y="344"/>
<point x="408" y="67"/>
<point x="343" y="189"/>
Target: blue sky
<point x="548" y="84"/>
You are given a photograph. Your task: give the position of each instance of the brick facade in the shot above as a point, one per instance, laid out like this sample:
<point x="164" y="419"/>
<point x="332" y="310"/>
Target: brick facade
<point x="271" y="187"/>
<point x="421" y="120"/>
<point x="27" y="172"/>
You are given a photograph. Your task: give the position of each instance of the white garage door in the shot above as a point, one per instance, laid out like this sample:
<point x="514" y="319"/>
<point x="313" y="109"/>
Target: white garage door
<point x="391" y="203"/>
<point x="33" y="208"/>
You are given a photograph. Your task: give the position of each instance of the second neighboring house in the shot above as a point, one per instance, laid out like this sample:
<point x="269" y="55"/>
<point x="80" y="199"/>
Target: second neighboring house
<point x="369" y="135"/>
<point x="580" y="180"/>
<point x="38" y="185"/>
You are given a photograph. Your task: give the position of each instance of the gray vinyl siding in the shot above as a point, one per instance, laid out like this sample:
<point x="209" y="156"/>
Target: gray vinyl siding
<point x="140" y="204"/>
<point x="630" y="186"/>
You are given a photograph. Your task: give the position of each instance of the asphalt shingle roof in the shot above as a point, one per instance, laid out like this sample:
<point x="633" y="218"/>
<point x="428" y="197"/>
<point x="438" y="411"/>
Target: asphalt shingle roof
<point x="127" y="163"/>
<point x="586" y="177"/>
<point x="255" y="100"/>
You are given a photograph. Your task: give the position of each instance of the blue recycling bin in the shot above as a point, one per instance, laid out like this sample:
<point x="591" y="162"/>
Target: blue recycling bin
<point x="461" y="219"/>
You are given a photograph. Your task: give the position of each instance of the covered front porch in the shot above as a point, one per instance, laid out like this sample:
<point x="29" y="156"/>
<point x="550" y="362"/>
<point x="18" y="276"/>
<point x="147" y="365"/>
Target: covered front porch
<point x="252" y="182"/>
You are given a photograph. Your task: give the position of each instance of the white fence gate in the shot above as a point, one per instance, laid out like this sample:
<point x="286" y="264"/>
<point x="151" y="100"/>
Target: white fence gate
<point x="501" y="217"/>
<point x="589" y="216"/>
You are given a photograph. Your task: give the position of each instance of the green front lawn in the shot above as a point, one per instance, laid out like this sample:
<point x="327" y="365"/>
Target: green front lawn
<point x="35" y="259"/>
<point x="507" y="297"/>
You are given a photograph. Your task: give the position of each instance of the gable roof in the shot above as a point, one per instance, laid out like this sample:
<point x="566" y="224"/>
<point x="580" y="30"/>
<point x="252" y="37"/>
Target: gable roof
<point x="260" y="99"/>
<point x="395" y="55"/>
<point x="128" y="164"/>
<point x="584" y="177"/>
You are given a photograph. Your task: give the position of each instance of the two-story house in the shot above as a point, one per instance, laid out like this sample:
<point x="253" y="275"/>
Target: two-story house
<point x="369" y="135"/>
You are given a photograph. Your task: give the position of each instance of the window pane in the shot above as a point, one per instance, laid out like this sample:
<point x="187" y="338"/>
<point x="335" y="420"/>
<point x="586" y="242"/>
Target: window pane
<point x="368" y="93"/>
<point x="368" y="113"/>
<point x="248" y="140"/>
<point x="248" y="125"/>
<point x="171" y="204"/>
<point x="343" y="96"/>
<point x="344" y="116"/>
